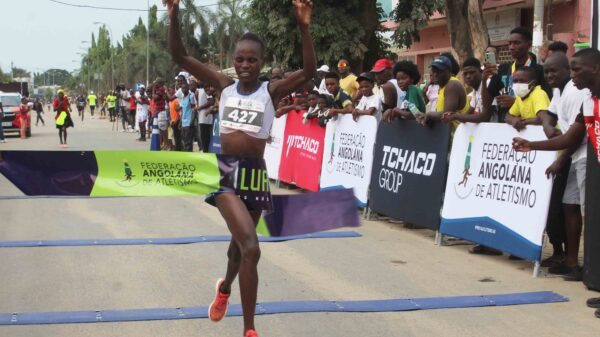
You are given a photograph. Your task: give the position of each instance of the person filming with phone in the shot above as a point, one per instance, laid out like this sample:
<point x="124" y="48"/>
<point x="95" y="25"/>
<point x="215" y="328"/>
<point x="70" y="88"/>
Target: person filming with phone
<point x="501" y="84"/>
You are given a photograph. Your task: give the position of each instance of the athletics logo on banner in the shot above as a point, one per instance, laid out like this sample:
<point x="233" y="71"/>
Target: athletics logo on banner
<point x="496" y="196"/>
<point x="302" y="152"/>
<point x="274" y="146"/>
<point x="409" y="171"/>
<point x="348" y="155"/>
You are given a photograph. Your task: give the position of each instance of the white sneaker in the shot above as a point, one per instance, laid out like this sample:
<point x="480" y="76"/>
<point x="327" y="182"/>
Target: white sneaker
<point x="2" y="141"/>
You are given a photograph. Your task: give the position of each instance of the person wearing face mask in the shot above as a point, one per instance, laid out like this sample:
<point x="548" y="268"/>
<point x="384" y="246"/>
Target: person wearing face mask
<point x="530" y="99"/>
<point x="500" y="87"/>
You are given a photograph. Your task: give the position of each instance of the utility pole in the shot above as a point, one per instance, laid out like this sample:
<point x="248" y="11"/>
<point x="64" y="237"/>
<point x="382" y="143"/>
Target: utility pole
<point x="148" y="48"/>
<point x="538" y="29"/>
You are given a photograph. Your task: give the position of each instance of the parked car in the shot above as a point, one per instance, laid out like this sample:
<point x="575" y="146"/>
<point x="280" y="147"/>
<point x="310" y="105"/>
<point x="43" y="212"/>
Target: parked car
<point x="11" y="121"/>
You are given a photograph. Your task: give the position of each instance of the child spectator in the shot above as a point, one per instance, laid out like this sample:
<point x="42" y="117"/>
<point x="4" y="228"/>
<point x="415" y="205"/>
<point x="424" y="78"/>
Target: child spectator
<point x="530" y="99"/>
<point x="342" y="101"/>
<point x="407" y="76"/>
<point x="370" y="104"/>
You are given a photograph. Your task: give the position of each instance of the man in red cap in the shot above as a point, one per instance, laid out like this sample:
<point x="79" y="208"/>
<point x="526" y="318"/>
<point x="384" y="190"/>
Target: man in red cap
<point x="382" y="70"/>
<point x="389" y="90"/>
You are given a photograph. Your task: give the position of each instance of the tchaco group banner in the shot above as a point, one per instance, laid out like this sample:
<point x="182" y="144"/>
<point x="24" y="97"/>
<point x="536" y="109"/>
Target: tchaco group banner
<point x="409" y="171"/>
<point x="274" y="146"/>
<point x="302" y="152"/>
<point x="348" y="155"/>
<point x="496" y="196"/>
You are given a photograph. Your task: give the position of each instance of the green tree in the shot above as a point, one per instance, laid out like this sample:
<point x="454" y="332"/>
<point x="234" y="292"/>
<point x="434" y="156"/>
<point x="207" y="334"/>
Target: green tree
<point x="20" y="72"/>
<point x="340" y="28"/>
<point x="229" y="24"/>
<point x="4" y="77"/>
<point x="51" y="77"/>
<point x="468" y="32"/>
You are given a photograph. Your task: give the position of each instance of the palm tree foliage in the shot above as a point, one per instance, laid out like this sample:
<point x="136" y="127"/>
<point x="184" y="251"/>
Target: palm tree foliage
<point x="208" y="35"/>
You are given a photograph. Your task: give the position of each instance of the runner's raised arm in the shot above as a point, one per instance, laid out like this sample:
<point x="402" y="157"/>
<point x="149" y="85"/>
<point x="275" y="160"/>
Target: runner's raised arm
<point x="282" y="88"/>
<point x="181" y="57"/>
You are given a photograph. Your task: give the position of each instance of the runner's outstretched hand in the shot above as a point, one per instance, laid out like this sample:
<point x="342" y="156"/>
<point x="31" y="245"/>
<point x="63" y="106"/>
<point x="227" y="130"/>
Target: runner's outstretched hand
<point x="303" y="10"/>
<point x="172" y="6"/>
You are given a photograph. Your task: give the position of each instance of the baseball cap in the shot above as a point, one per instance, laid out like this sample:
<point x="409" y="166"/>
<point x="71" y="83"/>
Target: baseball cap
<point x="441" y="63"/>
<point x="381" y="65"/>
<point x="365" y="77"/>
<point x="324" y="68"/>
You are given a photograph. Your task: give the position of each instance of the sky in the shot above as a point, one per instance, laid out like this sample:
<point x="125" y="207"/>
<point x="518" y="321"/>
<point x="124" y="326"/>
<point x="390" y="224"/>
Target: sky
<point x="40" y="34"/>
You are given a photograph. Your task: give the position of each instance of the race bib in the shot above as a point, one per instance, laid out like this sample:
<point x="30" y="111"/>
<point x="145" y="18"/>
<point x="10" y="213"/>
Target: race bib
<point x="243" y="114"/>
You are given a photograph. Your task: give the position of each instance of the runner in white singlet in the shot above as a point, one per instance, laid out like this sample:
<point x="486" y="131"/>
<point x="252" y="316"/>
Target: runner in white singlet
<point x="247" y="110"/>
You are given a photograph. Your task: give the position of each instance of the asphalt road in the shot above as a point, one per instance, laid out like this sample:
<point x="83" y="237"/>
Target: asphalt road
<point x="389" y="261"/>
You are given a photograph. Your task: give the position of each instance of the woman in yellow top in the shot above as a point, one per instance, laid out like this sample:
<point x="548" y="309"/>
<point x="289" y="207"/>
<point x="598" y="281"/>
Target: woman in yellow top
<point x="452" y="95"/>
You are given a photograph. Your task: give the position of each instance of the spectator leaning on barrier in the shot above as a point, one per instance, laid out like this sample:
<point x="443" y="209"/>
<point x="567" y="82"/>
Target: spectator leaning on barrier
<point x="323" y="106"/>
<point x="342" y="101"/>
<point x="585" y="72"/>
<point x="347" y="79"/>
<point x="370" y="104"/>
<point x="299" y="103"/>
<point x="452" y="95"/>
<point x="312" y="111"/>
<point x="530" y="99"/>
<point x="501" y="84"/>
<point x="389" y="91"/>
<point x="406" y="76"/>
<point x="474" y="78"/>
<point x="564" y="108"/>
<point x="382" y="70"/>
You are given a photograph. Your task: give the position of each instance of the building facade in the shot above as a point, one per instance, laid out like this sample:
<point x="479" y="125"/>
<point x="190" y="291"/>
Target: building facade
<point x="570" y="19"/>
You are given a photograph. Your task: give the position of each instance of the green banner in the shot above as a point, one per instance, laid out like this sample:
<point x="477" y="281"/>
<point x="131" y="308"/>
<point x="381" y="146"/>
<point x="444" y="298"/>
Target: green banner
<point x="131" y="173"/>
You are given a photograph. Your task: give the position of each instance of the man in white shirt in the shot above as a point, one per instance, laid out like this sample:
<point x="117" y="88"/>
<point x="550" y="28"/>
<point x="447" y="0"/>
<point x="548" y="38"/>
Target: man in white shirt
<point x="205" y="101"/>
<point x="141" y="113"/>
<point x="322" y="71"/>
<point x="566" y="104"/>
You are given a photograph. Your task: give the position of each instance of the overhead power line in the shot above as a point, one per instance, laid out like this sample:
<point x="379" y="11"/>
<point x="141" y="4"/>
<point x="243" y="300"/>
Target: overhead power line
<point x="115" y="8"/>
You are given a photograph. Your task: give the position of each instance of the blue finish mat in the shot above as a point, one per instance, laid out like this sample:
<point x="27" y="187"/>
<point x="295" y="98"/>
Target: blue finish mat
<point x="268" y="308"/>
<point x="169" y="241"/>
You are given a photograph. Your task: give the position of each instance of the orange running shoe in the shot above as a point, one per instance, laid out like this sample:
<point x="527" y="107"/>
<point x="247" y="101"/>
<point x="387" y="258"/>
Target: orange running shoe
<point x="218" y="307"/>
<point x="251" y="333"/>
